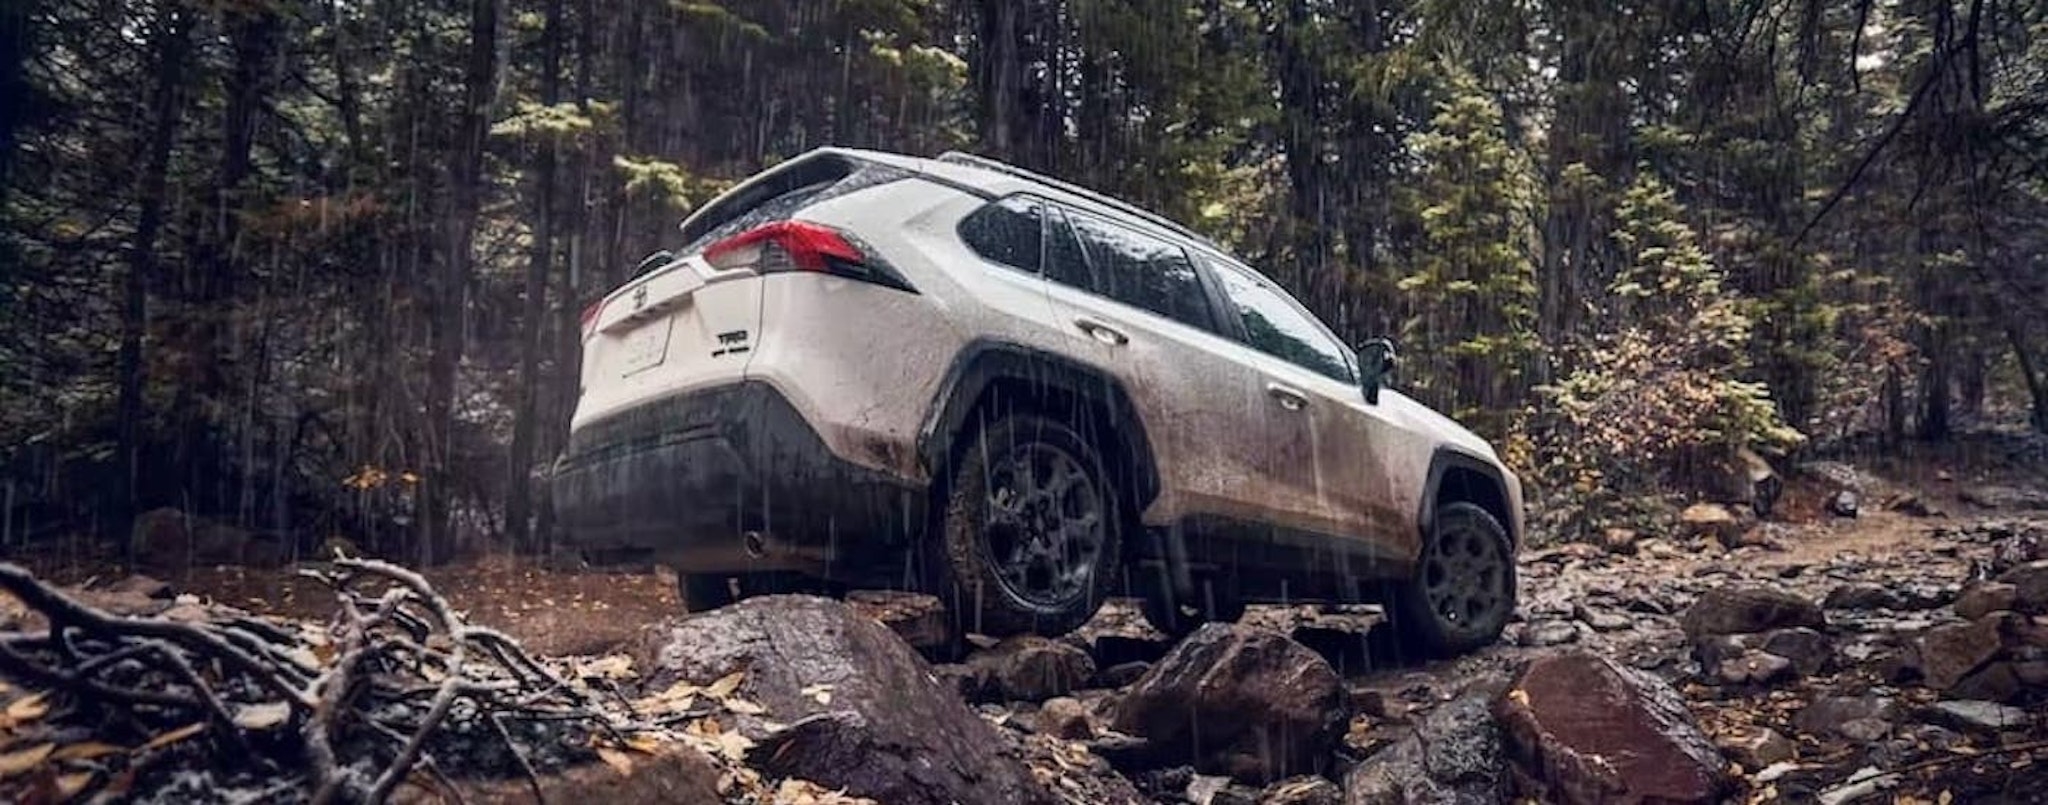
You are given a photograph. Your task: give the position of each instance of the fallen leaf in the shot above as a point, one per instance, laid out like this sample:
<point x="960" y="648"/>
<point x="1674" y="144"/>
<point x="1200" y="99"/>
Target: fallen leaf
<point x="744" y="707"/>
<point x="644" y="743"/>
<point x="71" y="785"/>
<point x="619" y="761"/>
<point x="725" y="686"/>
<point x="263" y="716"/>
<point x="173" y="736"/>
<point x="27" y="708"/>
<point x="85" y="751"/>
<point x="22" y="760"/>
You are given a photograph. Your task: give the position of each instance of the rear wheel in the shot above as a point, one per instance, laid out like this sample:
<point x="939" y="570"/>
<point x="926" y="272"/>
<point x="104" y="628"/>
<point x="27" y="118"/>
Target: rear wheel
<point x="1029" y="531"/>
<point x="1463" y="590"/>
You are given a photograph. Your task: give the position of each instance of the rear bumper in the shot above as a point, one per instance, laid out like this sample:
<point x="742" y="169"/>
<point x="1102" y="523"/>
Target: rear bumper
<point x="730" y="479"/>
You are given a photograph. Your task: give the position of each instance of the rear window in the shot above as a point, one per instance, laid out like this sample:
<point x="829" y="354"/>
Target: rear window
<point x="784" y="190"/>
<point x="1008" y="231"/>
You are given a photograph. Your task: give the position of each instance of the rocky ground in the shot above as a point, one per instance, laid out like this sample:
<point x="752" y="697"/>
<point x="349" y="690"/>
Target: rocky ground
<point x="1877" y="641"/>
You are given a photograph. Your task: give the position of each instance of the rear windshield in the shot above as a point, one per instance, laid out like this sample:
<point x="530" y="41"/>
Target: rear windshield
<point x="785" y="190"/>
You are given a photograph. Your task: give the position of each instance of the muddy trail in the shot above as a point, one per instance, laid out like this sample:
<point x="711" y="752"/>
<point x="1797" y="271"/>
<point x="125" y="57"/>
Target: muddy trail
<point x="1884" y="638"/>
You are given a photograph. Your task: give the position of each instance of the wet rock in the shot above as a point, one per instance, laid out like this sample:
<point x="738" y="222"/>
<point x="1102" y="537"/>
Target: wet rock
<point x="1208" y="790"/>
<point x="1843" y="503"/>
<point x="1721" y="523"/>
<point x="1592" y="731"/>
<point x="1756" y="747"/>
<point x="1748" y="609"/>
<point x="1949" y="653"/>
<point x="1981" y="716"/>
<point x="1619" y="540"/>
<point x="1238" y="700"/>
<point x="1996" y="682"/>
<point x="145" y="586"/>
<point x="1030" y="669"/>
<point x="1852" y="717"/>
<point x="1911" y="505"/>
<point x="919" y="619"/>
<point x="1861" y="596"/>
<point x="2029" y="586"/>
<point x="1753" y="668"/>
<point x="1811" y="652"/>
<point x="891" y="732"/>
<point x="1985" y="598"/>
<point x="1550" y="633"/>
<point x="2005" y="497"/>
<point x="670" y="774"/>
<point x="1452" y="756"/>
<point x="1121" y="674"/>
<point x="1064" y="717"/>
<point x="1119" y="634"/>
<point x="1602" y="620"/>
<point x="1303" y="790"/>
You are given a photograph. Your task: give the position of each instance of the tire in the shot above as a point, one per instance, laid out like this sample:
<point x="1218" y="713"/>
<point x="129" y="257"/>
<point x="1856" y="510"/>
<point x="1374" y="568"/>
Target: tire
<point x="1463" y="590"/>
<point x="1026" y="554"/>
<point x="1212" y="603"/>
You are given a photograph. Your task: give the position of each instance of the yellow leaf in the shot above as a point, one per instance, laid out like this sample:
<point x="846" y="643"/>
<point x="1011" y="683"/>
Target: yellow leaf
<point x="22" y="760"/>
<point x="619" y="761"/>
<point x="86" y="751"/>
<point x="71" y="785"/>
<point x="173" y="736"/>
<point x="644" y="743"/>
<point x="27" y="708"/>
<point x="725" y="686"/>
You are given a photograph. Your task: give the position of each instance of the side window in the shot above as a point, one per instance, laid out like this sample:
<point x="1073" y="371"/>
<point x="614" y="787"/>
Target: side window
<point x="1276" y="327"/>
<point x="1143" y="271"/>
<point x="1007" y="231"/>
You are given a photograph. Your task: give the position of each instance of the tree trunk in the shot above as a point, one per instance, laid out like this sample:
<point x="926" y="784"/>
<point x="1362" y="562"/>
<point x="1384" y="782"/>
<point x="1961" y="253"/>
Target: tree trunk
<point x="172" y="41"/>
<point x="518" y="492"/>
<point x="2037" y="383"/>
<point x="452" y="291"/>
<point x="17" y="43"/>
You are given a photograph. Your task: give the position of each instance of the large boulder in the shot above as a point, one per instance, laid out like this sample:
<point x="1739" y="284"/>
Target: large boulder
<point x="1588" y="730"/>
<point x="2029" y="586"/>
<point x="1237" y="700"/>
<point x="1026" y="669"/>
<point x="1454" y="755"/>
<point x="1748" y="609"/>
<point x="1950" y="653"/>
<point x="865" y="713"/>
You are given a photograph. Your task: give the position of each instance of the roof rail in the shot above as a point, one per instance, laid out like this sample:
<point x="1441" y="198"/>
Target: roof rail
<point x="964" y="158"/>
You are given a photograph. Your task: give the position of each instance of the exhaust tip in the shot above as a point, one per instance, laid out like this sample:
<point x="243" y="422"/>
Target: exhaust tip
<point x="756" y="544"/>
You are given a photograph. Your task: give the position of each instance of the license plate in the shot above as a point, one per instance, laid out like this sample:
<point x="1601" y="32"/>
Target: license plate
<point x="646" y="347"/>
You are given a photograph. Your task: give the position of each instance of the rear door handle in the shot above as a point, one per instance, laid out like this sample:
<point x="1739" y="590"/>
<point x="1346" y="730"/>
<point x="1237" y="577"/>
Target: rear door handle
<point x="1102" y="332"/>
<point x="1290" y="398"/>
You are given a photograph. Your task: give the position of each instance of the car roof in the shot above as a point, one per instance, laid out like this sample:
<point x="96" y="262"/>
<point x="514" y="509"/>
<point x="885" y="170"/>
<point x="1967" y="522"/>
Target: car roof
<point x="999" y="178"/>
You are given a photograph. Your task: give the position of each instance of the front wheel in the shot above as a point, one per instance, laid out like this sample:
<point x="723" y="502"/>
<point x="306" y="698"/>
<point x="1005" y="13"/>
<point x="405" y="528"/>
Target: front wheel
<point x="1029" y="531"/>
<point x="1463" y="590"/>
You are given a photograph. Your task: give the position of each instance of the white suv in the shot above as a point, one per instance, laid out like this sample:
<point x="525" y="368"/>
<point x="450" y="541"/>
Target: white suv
<point x="952" y="375"/>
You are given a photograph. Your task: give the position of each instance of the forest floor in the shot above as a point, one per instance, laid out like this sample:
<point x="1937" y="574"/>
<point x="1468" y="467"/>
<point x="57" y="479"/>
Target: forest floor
<point x="1928" y="526"/>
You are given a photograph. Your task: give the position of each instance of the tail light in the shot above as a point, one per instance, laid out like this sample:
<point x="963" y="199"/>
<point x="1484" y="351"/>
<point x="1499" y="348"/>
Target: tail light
<point x="589" y="320"/>
<point x="802" y="246"/>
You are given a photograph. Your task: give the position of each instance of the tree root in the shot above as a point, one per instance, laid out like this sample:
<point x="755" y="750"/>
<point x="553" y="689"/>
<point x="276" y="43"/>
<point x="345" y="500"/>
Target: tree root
<point x="354" y="731"/>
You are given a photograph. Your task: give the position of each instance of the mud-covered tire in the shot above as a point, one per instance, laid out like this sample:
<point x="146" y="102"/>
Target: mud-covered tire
<point x="1463" y="591"/>
<point x="1024" y="555"/>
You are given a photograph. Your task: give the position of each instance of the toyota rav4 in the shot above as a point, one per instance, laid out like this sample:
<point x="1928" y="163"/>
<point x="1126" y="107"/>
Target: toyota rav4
<point x="956" y="376"/>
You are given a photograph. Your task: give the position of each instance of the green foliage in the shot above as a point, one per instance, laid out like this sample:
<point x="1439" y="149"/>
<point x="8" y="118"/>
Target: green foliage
<point x="1660" y="398"/>
<point x="1470" y="293"/>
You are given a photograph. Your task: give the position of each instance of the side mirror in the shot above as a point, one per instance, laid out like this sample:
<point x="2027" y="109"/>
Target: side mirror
<point x="1376" y="360"/>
